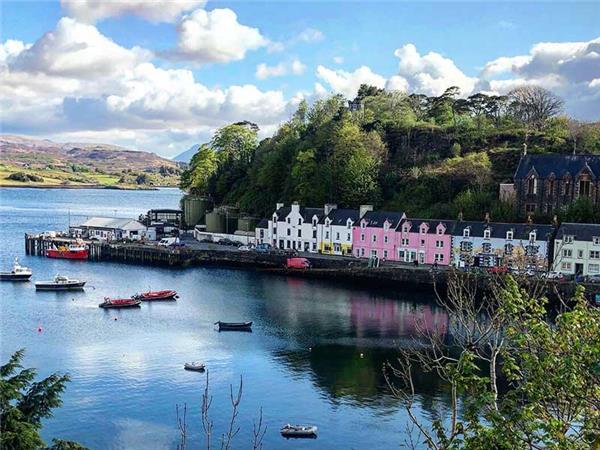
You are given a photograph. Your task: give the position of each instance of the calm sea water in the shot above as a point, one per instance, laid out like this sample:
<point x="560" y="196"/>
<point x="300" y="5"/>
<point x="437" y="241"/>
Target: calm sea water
<point x="302" y="363"/>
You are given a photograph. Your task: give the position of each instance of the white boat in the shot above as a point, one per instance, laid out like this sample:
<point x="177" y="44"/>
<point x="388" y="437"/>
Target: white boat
<point x="59" y="283"/>
<point x="195" y="366"/>
<point x="299" y="431"/>
<point x="18" y="273"/>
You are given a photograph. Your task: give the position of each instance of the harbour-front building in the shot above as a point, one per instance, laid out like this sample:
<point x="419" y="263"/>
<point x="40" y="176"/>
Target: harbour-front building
<point x="424" y="241"/>
<point x="375" y="235"/>
<point x="295" y="227"/>
<point x="577" y="249"/>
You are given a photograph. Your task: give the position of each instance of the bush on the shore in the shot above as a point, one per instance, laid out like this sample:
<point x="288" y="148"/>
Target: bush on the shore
<point x="25" y="177"/>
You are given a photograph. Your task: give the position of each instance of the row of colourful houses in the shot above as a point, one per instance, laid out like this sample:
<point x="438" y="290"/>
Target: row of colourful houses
<point x="392" y="236"/>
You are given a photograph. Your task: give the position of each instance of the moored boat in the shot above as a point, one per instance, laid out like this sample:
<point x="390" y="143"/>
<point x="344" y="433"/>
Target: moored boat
<point x="120" y="303"/>
<point x="73" y="251"/>
<point x="157" y="295"/>
<point x="59" y="283"/>
<point x="18" y="273"/>
<point x="299" y="431"/>
<point x="195" y="366"/>
<point x="234" y="326"/>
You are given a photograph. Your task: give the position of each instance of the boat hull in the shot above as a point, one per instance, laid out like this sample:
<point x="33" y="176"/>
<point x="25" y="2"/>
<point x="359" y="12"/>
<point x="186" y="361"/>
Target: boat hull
<point x="228" y="326"/>
<point x="120" y="305"/>
<point x="60" y="287"/>
<point x="15" y="277"/>
<point x="157" y="296"/>
<point x="67" y="254"/>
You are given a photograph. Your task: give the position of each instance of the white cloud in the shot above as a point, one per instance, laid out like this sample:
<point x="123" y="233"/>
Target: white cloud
<point x="294" y="67"/>
<point x="153" y="10"/>
<point x="309" y="35"/>
<point x="397" y="83"/>
<point x="215" y="37"/>
<point x="432" y="73"/>
<point x="347" y="83"/>
<point x="338" y="59"/>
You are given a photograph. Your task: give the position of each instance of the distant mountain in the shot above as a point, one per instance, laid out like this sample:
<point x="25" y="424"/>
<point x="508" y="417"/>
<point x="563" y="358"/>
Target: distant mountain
<point x="186" y="157"/>
<point x="19" y="150"/>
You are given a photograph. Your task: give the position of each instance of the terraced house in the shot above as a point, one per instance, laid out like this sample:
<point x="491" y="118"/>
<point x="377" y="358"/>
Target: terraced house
<point x="577" y="249"/>
<point x="375" y="234"/>
<point x="295" y="227"/>
<point x="545" y="183"/>
<point x="425" y="241"/>
<point x="335" y="229"/>
<point x="491" y="244"/>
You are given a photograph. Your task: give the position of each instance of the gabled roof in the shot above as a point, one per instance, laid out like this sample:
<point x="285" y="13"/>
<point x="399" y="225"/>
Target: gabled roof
<point x="580" y="231"/>
<point x="306" y="213"/>
<point x="341" y="216"/>
<point x="559" y="165"/>
<point x="499" y="229"/>
<point x="432" y="223"/>
<point x="376" y="219"/>
<point x="112" y="223"/>
<point x="264" y="223"/>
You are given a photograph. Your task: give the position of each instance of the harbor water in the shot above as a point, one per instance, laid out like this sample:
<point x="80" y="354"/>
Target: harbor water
<point x="315" y="355"/>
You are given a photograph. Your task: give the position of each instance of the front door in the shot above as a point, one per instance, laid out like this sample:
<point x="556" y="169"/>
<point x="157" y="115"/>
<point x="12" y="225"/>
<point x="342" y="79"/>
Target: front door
<point x="421" y="258"/>
<point x="578" y="268"/>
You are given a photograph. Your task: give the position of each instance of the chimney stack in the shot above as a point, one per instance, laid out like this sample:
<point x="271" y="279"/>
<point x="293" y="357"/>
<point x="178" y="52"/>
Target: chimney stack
<point x="279" y="206"/>
<point x="487" y="217"/>
<point x="329" y="207"/>
<point x="362" y="210"/>
<point x="524" y="148"/>
<point x="460" y="216"/>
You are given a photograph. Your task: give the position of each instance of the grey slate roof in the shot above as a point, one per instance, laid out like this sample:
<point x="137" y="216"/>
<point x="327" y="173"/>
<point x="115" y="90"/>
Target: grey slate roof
<point x="341" y="216"/>
<point x="559" y="165"/>
<point x="498" y="229"/>
<point x="264" y="223"/>
<point x="376" y="219"/>
<point x="306" y="213"/>
<point x="110" y="222"/>
<point x="433" y="223"/>
<point x="580" y="231"/>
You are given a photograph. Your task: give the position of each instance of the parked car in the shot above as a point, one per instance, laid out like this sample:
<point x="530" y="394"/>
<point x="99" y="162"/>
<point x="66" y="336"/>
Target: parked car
<point x="226" y="241"/>
<point x="593" y="278"/>
<point x="553" y="275"/>
<point x="263" y="248"/>
<point x="498" y="269"/>
<point x="297" y="263"/>
<point x="169" y="242"/>
<point x="245" y="248"/>
<point x="206" y="241"/>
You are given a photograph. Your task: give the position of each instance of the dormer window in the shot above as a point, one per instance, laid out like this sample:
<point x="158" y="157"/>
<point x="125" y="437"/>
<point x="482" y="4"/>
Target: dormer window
<point x="349" y="224"/>
<point x="596" y="240"/>
<point x="289" y="220"/>
<point x="440" y="230"/>
<point x="509" y="235"/>
<point x="486" y="234"/>
<point x="300" y="221"/>
<point x="314" y="221"/>
<point x="532" y="236"/>
<point x="568" y="239"/>
<point x="532" y="185"/>
<point x="363" y="224"/>
<point x="327" y="222"/>
<point x="423" y="229"/>
<point x="386" y="226"/>
<point x="405" y="228"/>
<point x="274" y="218"/>
<point x="467" y="232"/>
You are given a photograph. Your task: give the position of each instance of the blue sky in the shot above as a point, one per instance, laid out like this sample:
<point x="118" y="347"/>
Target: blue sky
<point x="465" y="41"/>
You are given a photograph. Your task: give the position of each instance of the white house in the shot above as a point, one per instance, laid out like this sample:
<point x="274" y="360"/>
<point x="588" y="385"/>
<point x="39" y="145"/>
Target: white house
<point x="111" y="229"/>
<point x="295" y="227"/>
<point x="483" y="244"/>
<point x="335" y="229"/>
<point x="577" y="249"/>
<point x="262" y="235"/>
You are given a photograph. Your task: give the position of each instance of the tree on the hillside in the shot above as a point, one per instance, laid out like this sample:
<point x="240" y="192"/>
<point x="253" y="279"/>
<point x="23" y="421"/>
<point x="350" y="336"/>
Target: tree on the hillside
<point x="366" y="90"/>
<point x="24" y="402"/>
<point x="518" y="379"/>
<point x="202" y="167"/>
<point x="533" y="105"/>
<point x="235" y="142"/>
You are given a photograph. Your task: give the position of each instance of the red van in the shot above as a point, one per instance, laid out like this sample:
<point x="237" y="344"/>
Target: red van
<point x="297" y="263"/>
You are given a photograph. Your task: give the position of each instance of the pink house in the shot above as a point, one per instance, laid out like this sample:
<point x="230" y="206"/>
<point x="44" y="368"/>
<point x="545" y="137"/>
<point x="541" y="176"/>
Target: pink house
<point x="375" y="234"/>
<point x="425" y="241"/>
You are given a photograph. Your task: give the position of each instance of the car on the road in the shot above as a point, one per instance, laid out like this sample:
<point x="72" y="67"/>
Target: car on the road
<point x="227" y="241"/>
<point x="593" y="278"/>
<point x="245" y="248"/>
<point x="263" y="248"/>
<point x="553" y="275"/>
<point x="498" y="269"/>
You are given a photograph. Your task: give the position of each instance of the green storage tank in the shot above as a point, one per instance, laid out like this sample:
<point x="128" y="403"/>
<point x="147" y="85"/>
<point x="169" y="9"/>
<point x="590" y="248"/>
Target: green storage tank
<point x="194" y="209"/>
<point x="215" y="222"/>
<point x="247" y="223"/>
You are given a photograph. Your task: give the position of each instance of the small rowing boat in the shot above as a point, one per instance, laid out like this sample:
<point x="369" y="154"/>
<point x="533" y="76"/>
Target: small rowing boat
<point x="299" y="431"/>
<point x="59" y="283"/>
<point x="18" y="273"/>
<point x="195" y="366"/>
<point x="234" y="326"/>
<point x="157" y="295"/>
<point x="120" y="303"/>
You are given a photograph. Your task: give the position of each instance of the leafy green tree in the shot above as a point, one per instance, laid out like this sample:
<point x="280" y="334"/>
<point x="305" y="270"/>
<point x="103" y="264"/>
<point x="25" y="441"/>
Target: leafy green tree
<point x="24" y="402"/>
<point x="202" y="167"/>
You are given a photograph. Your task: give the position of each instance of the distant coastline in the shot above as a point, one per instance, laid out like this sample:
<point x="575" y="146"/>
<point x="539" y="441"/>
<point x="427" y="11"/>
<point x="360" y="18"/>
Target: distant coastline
<point x="81" y="186"/>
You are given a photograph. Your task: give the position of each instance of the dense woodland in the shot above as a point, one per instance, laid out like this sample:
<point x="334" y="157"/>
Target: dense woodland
<point x="428" y="156"/>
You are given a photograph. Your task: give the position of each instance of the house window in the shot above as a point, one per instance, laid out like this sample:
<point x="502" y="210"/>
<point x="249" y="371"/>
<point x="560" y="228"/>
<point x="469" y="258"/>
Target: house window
<point x="363" y="225"/>
<point x="466" y="246"/>
<point x="532" y="186"/>
<point x="580" y="254"/>
<point x="314" y="246"/>
<point x="337" y="236"/>
<point x="289" y="220"/>
<point x="374" y="253"/>
<point x="532" y="236"/>
<point x="466" y="232"/>
<point x="486" y="247"/>
<point x="440" y="230"/>
<point x="349" y="237"/>
<point x="287" y="244"/>
<point x="289" y="232"/>
<point x="423" y="230"/>
<point x="566" y="266"/>
<point x="314" y="222"/>
<point x="486" y="234"/>
<point x="550" y="187"/>
<point x="299" y="233"/>
<point x="508" y="249"/>
<point x="385" y="253"/>
<point x="585" y="188"/>
<point x="405" y="229"/>
<point x="362" y="237"/>
<point x="405" y="242"/>
<point x="530" y="208"/>
<point x="422" y="242"/>
<point x="327" y="235"/>
<point x="362" y="252"/>
<point x="568" y="239"/>
<point x="262" y="233"/>
<point x="509" y="235"/>
<point x="374" y="238"/>
<point x="349" y="224"/>
<point x="567" y="253"/>
<point x="439" y="244"/>
<point x="596" y="240"/>
<point x="385" y="239"/>
<point x="594" y="254"/>
<point x="439" y="257"/>
<point x="300" y="221"/>
<point x="593" y="269"/>
<point x="314" y="234"/>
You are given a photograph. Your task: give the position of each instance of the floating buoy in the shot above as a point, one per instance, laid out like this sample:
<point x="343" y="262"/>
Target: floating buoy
<point x="362" y="355"/>
<point x="39" y="329"/>
<point x="115" y="318"/>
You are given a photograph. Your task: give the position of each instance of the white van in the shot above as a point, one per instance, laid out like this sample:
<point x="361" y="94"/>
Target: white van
<point x="167" y="242"/>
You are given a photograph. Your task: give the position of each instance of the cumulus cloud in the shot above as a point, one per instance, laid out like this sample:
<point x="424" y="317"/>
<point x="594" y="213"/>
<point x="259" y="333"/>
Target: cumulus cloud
<point x="347" y="83"/>
<point x="215" y="37"/>
<point x="293" y="67"/>
<point x="431" y="73"/>
<point x="64" y="85"/>
<point x="153" y="10"/>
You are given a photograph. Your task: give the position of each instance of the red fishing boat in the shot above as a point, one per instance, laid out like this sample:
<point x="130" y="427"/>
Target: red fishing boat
<point x="156" y="295"/>
<point x="120" y="303"/>
<point x="73" y="251"/>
